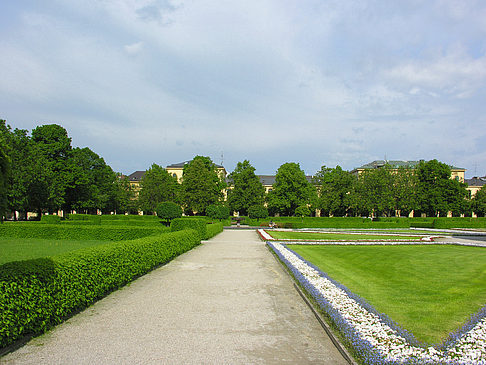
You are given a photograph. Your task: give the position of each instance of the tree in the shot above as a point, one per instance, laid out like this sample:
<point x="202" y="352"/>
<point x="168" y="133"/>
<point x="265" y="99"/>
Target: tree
<point x="217" y="211"/>
<point x="91" y="181"/>
<point x="4" y="176"/>
<point x="257" y="212"/>
<point x="375" y="189"/>
<point x="169" y="211"/>
<point x="245" y="188"/>
<point x="302" y="211"/>
<point x="291" y="189"/>
<point x="334" y="188"/>
<point x="479" y="202"/>
<point x="405" y="190"/>
<point x="201" y="185"/>
<point x="157" y="186"/>
<point x="51" y="146"/>
<point x="437" y="192"/>
<point x="122" y="197"/>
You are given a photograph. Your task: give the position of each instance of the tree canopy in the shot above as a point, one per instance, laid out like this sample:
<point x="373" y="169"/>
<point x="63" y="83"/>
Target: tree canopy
<point x="157" y="186"/>
<point x="291" y="190"/>
<point x="201" y="185"/>
<point x="246" y="189"/>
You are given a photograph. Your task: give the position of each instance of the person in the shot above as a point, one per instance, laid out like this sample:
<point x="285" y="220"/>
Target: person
<point x="271" y="224"/>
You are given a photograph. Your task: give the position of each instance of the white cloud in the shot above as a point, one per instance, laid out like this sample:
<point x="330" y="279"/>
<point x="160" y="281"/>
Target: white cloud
<point x="134" y="48"/>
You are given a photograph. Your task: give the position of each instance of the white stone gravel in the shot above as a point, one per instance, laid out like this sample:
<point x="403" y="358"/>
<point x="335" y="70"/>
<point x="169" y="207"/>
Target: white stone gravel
<point x="374" y="333"/>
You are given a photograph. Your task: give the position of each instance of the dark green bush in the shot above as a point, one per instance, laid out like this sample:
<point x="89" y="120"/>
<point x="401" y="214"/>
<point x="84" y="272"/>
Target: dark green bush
<point x="199" y="225"/>
<point x="50" y="219"/>
<point x="37" y="294"/>
<point x="76" y="232"/>
<point x="217" y="212"/>
<point x="169" y="211"/>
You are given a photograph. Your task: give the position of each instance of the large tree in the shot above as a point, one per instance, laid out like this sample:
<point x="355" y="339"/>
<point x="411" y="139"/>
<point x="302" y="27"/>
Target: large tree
<point x="405" y="190"/>
<point x="335" y="188"/>
<point x="202" y="186"/>
<point x="157" y="186"/>
<point x="479" y="202"/>
<point x="52" y="147"/>
<point x="91" y="181"/>
<point x="246" y="189"/>
<point x="291" y="190"/>
<point x="375" y="190"/>
<point x="4" y="176"/>
<point x="437" y="192"/>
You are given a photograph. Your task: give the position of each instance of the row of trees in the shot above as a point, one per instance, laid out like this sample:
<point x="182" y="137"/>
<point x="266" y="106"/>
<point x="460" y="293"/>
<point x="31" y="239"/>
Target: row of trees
<point x="385" y="191"/>
<point x="42" y="172"/>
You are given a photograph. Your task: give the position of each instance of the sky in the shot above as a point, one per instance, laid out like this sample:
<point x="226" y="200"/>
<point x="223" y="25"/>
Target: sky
<point x="317" y="82"/>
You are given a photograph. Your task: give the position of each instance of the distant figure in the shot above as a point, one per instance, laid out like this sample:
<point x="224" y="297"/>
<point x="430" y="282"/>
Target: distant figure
<point x="271" y="224"/>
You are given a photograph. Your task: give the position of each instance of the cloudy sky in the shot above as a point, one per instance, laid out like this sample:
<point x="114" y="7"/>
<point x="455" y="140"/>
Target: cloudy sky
<point x="318" y="82"/>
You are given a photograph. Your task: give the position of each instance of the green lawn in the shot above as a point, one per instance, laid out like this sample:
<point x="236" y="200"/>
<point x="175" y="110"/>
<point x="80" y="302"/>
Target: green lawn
<point x="336" y="236"/>
<point x="430" y="290"/>
<point x="16" y="249"/>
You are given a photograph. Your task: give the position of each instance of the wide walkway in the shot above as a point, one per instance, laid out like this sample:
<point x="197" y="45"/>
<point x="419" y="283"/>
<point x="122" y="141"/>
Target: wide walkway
<point x="227" y="301"/>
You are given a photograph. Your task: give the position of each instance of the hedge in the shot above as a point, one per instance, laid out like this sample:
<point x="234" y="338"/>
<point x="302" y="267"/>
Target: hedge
<point x="37" y="294"/>
<point x="198" y="224"/>
<point x="205" y="230"/>
<point x="214" y="229"/>
<point x="444" y="223"/>
<point x="76" y="232"/>
<point x="50" y="219"/>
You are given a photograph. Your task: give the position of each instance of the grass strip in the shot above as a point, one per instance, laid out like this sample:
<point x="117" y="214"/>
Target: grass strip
<point x="429" y="290"/>
<point x="337" y="236"/>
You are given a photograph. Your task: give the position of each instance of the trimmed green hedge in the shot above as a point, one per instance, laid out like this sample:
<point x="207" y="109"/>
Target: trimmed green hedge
<point x="444" y="223"/>
<point x="76" y="232"/>
<point x="205" y="230"/>
<point x="214" y="229"/>
<point x="114" y="219"/>
<point x="50" y="219"/>
<point x="198" y="224"/>
<point x="37" y="294"/>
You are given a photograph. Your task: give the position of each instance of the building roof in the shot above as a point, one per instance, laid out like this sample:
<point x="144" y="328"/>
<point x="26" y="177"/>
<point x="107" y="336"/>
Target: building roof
<point x="476" y="181"/>
<point x="268" y="180"/>
<point x="181" y="165"/>
<point x="136" y="176"/>
<point x="396" y="164"/>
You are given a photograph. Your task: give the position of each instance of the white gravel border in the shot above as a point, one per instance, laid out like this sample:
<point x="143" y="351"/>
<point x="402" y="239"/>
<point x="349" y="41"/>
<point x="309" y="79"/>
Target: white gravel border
<point x="373" y="338"/>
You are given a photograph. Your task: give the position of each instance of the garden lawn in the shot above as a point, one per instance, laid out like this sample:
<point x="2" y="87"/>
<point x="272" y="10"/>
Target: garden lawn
<point x="279" y="235"/>
<point x="17" y="249"/>
<point x="429" y="290"/>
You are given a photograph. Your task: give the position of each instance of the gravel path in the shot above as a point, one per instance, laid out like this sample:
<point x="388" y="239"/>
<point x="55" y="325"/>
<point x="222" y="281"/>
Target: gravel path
<point x="227" y="301"/>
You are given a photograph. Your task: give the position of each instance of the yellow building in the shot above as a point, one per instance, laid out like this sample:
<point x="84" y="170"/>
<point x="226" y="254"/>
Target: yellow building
<point x="456" y="172"/>
<point x="474" y="185"/>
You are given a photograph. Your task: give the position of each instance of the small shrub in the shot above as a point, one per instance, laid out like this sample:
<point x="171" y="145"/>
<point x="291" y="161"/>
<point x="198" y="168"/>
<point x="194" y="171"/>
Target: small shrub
<point x="169" y="211"/>
<point x="218" y="212"/>
<point x="257" y="212"/>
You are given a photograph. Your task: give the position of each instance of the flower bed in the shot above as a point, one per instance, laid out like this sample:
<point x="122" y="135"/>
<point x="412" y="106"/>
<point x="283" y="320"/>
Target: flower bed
<point x="376" y="339"/>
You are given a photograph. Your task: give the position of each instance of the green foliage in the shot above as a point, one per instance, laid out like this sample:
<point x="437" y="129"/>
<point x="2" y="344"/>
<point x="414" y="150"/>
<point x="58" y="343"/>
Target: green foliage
<point x="51" y="219"/>
<point x="157" y="186"/>
<point x="4" y="177"/>
<point x="197" y="224"/>
<point x="257" y="212"/>
<point x="76" y="232"/>
<point x="302" y="211"/>
<point x="291" y="189"/>
<point x="217" y="212"/>
<point x="479" y="202"/>
<point x="169" y="211"/>
<point x="37" y="294"/>
<point x="437" y="192"/>
<point x="201" y="185"/>
<point x="213" y="229"/>
<point x="376" y="191"/>
<point x="246" y="189"/>
<point x="335" y="188"/>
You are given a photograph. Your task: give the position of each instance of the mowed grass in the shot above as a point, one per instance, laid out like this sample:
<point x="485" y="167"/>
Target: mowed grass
<point x="17" y="249"/>
<point x="430" y="290"/>
<point x="279" y="235"/>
